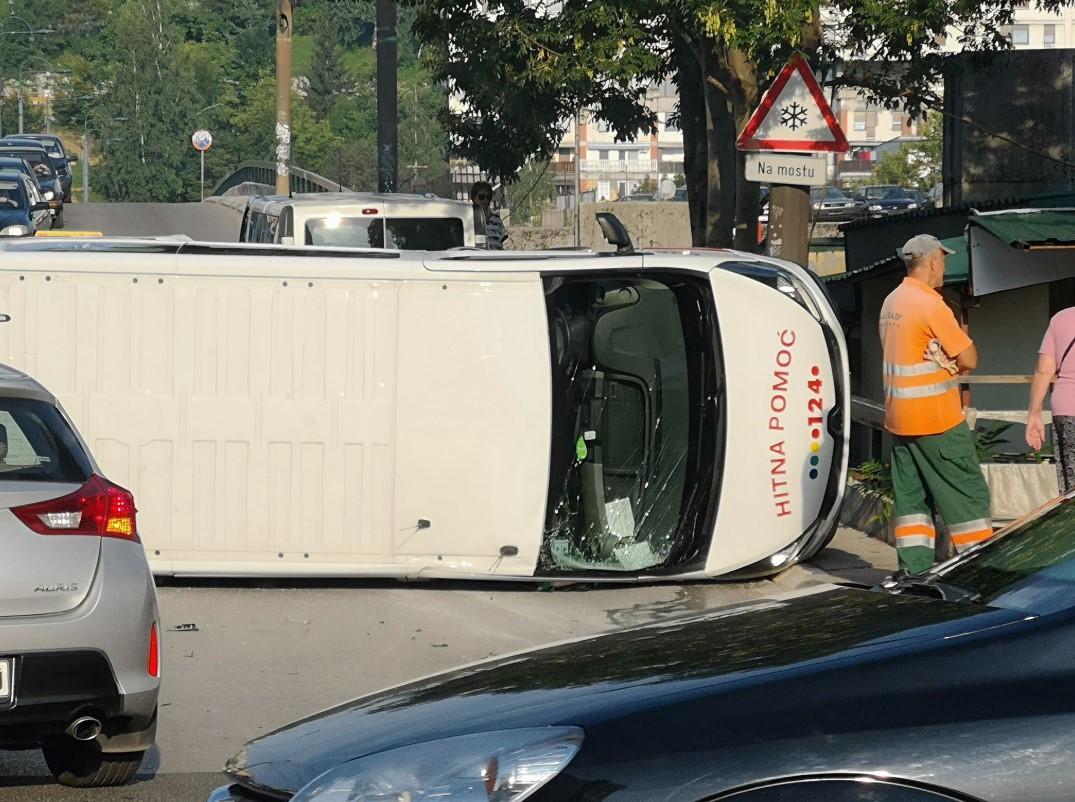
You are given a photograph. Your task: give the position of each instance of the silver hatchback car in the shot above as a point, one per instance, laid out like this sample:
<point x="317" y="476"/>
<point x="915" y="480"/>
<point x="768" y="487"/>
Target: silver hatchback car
<point x="79" y="628"/>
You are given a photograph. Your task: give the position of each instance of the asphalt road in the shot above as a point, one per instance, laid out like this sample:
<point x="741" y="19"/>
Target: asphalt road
<point x="200" y="221"/>
<point x="266" y="654"/>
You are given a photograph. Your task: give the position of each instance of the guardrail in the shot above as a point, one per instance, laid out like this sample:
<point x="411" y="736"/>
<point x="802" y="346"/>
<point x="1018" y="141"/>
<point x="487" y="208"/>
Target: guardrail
<point x="265" y="173"/>
<point x="867" y="412"/>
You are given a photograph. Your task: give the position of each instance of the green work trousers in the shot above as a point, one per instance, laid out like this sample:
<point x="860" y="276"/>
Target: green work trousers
<point x="942" y="471"/>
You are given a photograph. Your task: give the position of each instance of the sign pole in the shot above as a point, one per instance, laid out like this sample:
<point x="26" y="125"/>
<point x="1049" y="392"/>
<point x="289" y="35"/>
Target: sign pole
<point x="789" y="224"/>
<point x="202" y="152"/>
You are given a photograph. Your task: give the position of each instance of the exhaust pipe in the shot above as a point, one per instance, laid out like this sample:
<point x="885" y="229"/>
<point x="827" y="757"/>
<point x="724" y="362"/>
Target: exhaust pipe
<point x="84" y="728"/>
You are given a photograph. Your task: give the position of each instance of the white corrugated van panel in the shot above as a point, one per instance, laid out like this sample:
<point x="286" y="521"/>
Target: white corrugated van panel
<point x="250" y="419"/>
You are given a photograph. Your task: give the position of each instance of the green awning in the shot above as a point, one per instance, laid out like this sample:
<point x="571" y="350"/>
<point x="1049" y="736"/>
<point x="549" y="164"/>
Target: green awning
<point x="1035" y="228"/>
<point x="957" y="265"/>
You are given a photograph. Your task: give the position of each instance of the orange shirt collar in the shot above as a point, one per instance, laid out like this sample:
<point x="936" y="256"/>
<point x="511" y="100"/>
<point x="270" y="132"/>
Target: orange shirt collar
<point x="914" y="282"/>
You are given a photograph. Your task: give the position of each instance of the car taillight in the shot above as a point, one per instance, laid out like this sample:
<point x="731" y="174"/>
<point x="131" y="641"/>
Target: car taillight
<point x="97" y="508"/>
<point x="153" y="665"/>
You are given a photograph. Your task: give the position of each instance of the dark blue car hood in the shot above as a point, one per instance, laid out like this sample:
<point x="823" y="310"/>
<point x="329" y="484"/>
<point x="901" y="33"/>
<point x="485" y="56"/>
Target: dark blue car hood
<point x="597" y="681"/>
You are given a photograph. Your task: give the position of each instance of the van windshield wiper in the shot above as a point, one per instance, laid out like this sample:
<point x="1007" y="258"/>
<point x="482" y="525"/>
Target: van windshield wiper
<point x="930" y="586"/>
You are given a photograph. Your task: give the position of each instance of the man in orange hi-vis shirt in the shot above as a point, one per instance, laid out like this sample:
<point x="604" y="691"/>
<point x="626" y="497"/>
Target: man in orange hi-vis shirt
<point x="933" y="454"/>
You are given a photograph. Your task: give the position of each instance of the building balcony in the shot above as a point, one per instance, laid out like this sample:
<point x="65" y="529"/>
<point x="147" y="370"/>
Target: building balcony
<point x="619" y="166"/>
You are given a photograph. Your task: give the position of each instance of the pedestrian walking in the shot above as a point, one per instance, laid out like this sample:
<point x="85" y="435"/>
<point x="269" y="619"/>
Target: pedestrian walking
<point x="933" y="452"/>
<point x="486" y="221"/>
<point x="1056" y="361"/>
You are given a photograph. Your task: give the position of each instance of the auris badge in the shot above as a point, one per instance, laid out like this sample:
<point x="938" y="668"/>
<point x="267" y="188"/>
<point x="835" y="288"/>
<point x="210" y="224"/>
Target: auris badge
<point x="70" y="587"/>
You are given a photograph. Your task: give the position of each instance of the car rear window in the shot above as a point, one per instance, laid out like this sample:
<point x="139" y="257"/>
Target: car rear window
<point x="37" y="444"/>
<point x="403" y="233"/>
<point x="11" y="195"/>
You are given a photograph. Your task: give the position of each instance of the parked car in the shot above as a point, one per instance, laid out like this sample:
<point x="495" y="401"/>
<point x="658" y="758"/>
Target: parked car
<point x="638" y="197"/>
<point x="953" y="685"/>
<point x="79" y="630"/>
<point x="874" y="192"/>
<point x="833" y="205"/>
<point x="895" y="201"/>
<point x="61" y="162"/>
<point x="47" y="179"/>
<point x="23" y="211"/>
<point x="680" y="194"/>
<point x="17" y="164"/>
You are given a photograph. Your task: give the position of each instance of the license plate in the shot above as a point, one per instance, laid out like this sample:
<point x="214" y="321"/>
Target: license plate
<point x="7" y="681"/>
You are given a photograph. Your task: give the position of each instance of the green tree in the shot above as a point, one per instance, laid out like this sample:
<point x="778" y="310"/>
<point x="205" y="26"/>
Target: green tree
<point x="148" y="157"/>
<point x="535" y="190"/>
<point x="521" y="72"/>
<point x="915" y="165"/>
<point x="327" y="79"/>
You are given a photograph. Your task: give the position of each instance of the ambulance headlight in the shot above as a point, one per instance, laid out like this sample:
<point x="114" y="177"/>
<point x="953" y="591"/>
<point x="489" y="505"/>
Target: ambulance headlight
<point x="502" y="766"/>
<point x="14" y="231"/>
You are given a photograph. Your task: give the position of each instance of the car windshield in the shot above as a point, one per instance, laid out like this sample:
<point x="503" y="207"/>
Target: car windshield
<point x="37" y="445"/>
<point x="829" y="194"/>
<point x="878" y="192"/>
<point x="897" y="194"/>
<point x="636" y="415"/>
<point x="39" y="162"/>
<point x="11" y="196"/>
<point x="404" y="233"/>
<point x="1030" y="568"/>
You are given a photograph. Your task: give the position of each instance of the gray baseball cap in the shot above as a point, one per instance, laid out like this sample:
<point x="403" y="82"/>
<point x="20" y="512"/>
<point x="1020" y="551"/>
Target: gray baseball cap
<point x="922" y="245"/>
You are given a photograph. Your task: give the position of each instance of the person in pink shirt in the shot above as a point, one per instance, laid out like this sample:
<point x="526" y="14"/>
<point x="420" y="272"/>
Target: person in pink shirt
<point x="1056" y="359"/>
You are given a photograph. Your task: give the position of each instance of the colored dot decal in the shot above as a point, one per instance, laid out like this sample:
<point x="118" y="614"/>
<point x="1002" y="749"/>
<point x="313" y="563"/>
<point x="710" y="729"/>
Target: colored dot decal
<point x="815" y="447"/>
<point x="815" y="370"/>
<point x="813" y="473"/>
<point x="816" y="434"/>
<point x="814" y="460"/>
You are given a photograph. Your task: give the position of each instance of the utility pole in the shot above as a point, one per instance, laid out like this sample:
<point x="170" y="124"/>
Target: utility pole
<point x="387" y="114"/>
<point x="578" y="182"/>
<point x="20" y="111"/>
<point x="85" y="167"/>
<point x="284" y="26"/>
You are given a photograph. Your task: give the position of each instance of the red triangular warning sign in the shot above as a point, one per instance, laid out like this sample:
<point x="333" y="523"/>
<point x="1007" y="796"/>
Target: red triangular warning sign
<point x="794" y="115"/>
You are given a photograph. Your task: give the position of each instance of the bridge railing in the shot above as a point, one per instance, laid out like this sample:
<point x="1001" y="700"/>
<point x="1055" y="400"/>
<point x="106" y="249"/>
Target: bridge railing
<point x="264" y="174"/>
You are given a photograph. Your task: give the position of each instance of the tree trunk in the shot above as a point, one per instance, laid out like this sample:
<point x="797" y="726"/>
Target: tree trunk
<point x="745" y="94"/>
<point x="692" y="122"/>
<point x="720" y="149"/>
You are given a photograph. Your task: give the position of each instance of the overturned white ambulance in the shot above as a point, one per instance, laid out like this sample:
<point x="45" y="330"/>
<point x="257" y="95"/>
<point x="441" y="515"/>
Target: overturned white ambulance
<point x="315" y="412"/>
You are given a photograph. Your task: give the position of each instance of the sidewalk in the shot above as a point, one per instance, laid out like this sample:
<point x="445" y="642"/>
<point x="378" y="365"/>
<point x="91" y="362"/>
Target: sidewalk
<point x="852" y="556"/>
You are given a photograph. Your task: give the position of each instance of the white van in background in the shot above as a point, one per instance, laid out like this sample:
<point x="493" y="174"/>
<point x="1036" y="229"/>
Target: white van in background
<point x="360" y="220"/>
<point x="469" y="414"/>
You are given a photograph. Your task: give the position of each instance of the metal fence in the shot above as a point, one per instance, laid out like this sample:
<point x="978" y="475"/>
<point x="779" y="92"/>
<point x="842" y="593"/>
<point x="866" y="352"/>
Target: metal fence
<point x="265" y="173"/>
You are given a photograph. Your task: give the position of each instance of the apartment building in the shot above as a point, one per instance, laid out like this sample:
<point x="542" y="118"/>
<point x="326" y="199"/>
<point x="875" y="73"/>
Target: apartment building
<point x="610" y="170"/>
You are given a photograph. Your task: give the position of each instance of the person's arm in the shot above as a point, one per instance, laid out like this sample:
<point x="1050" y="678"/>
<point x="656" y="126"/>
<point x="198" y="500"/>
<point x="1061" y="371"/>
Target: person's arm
<point x="967" y="359"/>
<point x="1043" y="376"/>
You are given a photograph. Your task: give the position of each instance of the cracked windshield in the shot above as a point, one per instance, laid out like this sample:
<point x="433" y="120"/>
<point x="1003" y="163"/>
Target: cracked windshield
<point x="632" y="394"/>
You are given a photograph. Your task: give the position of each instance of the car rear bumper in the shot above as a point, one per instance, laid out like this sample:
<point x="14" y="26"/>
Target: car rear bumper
<point x="91" y="660"/>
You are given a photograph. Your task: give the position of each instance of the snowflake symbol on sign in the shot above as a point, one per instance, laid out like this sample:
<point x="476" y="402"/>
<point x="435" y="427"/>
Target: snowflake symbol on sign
<point x="793" y="116"/>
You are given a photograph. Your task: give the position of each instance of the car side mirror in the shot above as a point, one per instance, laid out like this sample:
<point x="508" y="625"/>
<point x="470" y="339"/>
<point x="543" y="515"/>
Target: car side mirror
<point x="41" y="206"/>
<point x="72" y="159"/>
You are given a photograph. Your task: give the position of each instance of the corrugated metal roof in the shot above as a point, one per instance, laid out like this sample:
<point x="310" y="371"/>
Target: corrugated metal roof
<point x="956" y="267"/>
<point x="1030" y="228"/>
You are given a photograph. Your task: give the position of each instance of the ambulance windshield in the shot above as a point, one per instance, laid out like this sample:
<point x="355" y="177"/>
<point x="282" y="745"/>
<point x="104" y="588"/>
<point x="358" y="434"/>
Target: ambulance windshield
<point x="636" y="422"/>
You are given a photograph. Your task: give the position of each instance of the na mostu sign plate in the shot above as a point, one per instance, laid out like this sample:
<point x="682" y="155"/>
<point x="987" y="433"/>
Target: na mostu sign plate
<point x="786" y="168"/>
